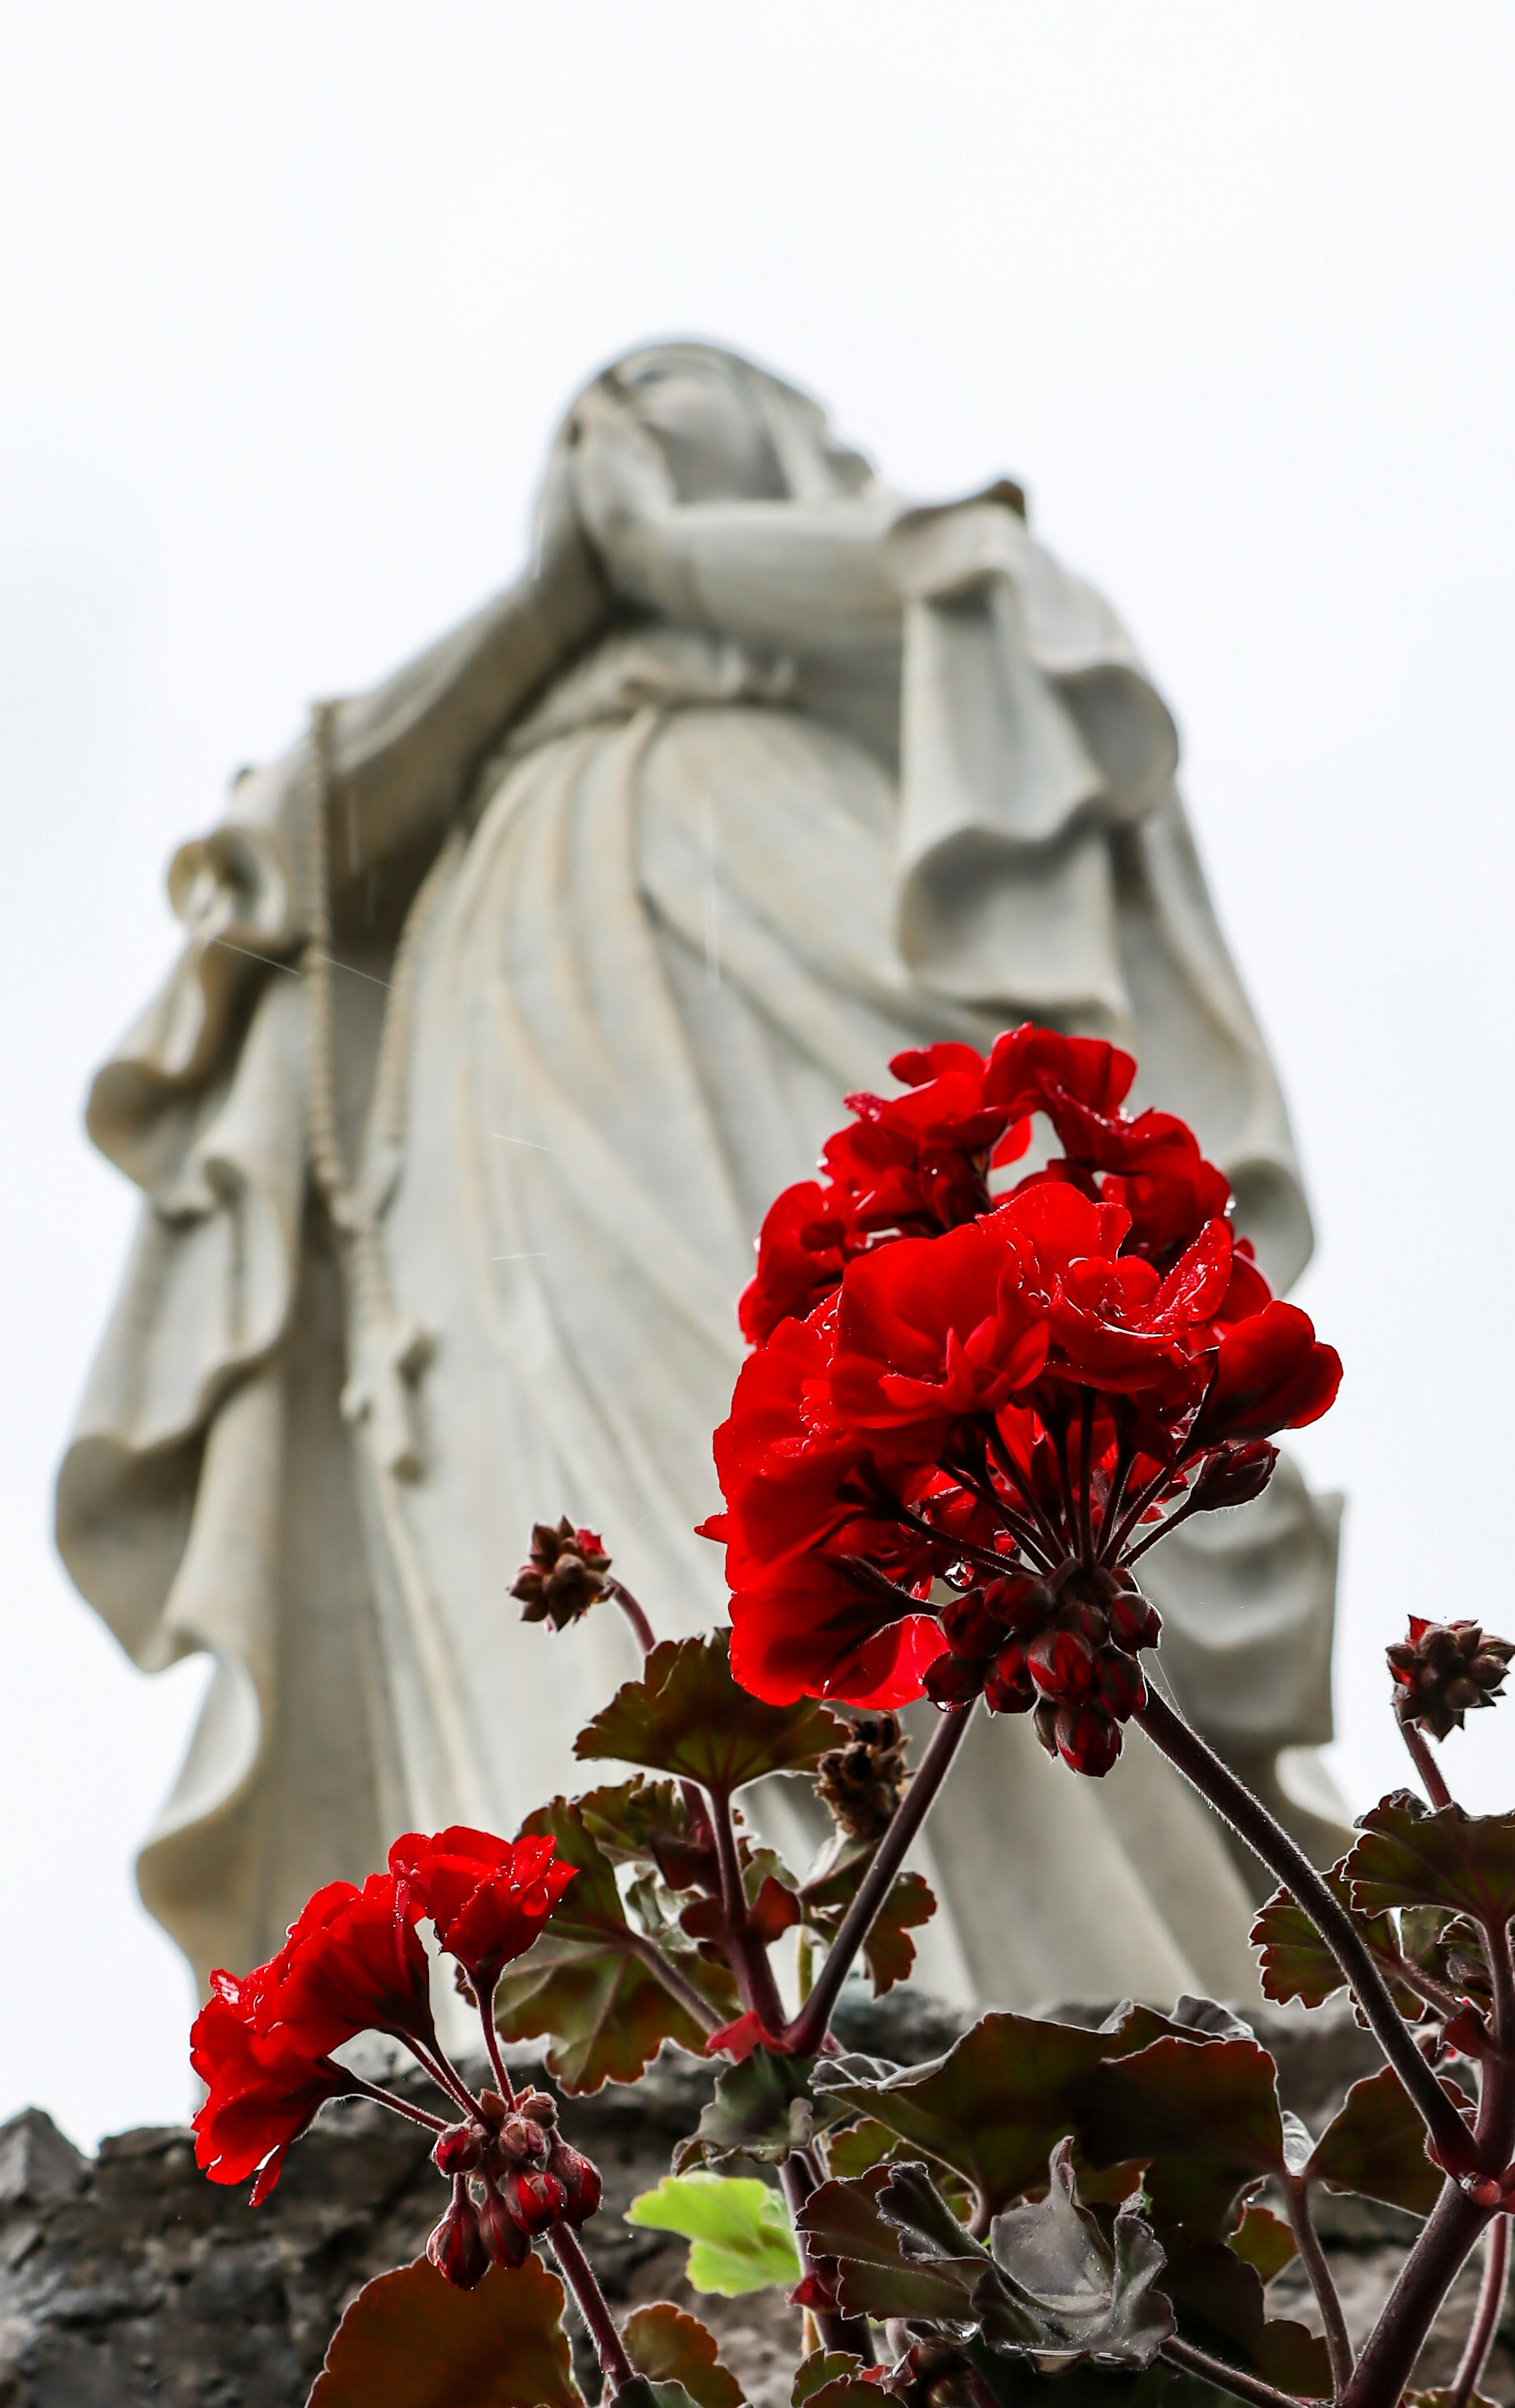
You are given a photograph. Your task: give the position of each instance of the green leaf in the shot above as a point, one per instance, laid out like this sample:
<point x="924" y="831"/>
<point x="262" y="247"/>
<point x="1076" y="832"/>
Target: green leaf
<point x="1059" y="2294"/>
<point x="1408" y="1856"/>
<point x="1263" y="2242"/>
<point x="994" y="2106"/>
<point x="669" y="2346"/>
<point x="1375" y="2145"/>
<point x="888" y="1952"/>
<point x="413" y="2341"/>
<point x="687" y="1716"/>
<point x="584" y="1981"/>
<point x="630" y="1820"/>
<point x="740" y="2229"/>
<point x="1202" y="2114"/>
<point x="877" y="2273"/>
<point x="1220" y="2307"/>
<point x="761" y="2108"/>
<point x="1294" y="1961"/>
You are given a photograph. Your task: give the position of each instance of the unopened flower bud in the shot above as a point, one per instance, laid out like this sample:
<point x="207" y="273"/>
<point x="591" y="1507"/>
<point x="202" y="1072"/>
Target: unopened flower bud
<point x="1121" y="1688"/>
<point x="1088" y="1738"/>
<point x="459" y="2149"/>
<point x="1061" y="1664"/>
<point x="501" y="2234"/>
<point x="563" y="1576"/>
<point x="1044" y="1723"/>
<point x="492" y="2109"/>
<point x="1009" y="1688"/>
<point x="861" y="1784"/>
<point x="1133" y="1621"/>
<point x="1232" y="1476"/>
<point x="456" y="2249"/>
<point x="539" y="2105"/>
<point x="581" y="2180"/>
<point x="1445" y="1669"/>
<point x="535" y="2198"/>
<point x="522" y="2140"/>
<point x="970" y="1626"/>
<point x="953" y="1680"/>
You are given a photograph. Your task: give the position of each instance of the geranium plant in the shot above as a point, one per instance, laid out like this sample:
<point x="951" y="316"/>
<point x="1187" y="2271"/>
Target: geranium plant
<point x="969" y="1411"/>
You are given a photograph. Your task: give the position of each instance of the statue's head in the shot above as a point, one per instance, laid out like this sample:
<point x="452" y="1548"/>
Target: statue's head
<point x="727" y="429"/>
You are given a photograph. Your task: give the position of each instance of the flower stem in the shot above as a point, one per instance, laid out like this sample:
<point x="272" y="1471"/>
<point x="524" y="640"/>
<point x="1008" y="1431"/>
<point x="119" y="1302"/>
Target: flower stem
<point x="578" y="2274"/>
<point x="392" y="2100"/>
<point x="1485" y="2323"/>
<point x="645" y="1636"/>
<point x="1086" y="1443"/>
<point x="1432" y="1779"/>
<point x="804" y="2036"/>
<point x="1327" y="2297"/>
<point x="1389" y="2352"/>
<point x="745" y="1953"/>
<point x="1248" y="1817"/>
<point x="1225" y="2378"/>
<point x="443" y="2073"/>
<point x="492" y="2043"/>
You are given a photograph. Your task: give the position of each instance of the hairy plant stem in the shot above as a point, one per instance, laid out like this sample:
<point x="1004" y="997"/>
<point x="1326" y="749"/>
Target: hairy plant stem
<point x="1485" y="2323"/>
<point x="835" y="2331"/>
<point x="1086" y="1442"/>
<point x="707" y="2017"/>
<point x="804" y="2036"/>
<point x="1249" y="1817"/>
<point x="392" y="2099"/>
<point x="1327" y="2299"/>
<point x="1389" y="2352"/>
<point x="492" y="2043"/>
<point x="444" y="2073"/>
<point x="1432" y="1779"/>
<point x="578" y="2274"/>
<point x="642" y="1629"/>
<point x="745" y="1953"/>
<point x="1225" y="2378"/>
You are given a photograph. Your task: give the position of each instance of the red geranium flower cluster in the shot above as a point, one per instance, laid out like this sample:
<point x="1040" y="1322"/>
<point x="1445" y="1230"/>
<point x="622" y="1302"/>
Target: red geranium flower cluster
<point x="965" y="1420"/>
<point x="263" y="2045"/>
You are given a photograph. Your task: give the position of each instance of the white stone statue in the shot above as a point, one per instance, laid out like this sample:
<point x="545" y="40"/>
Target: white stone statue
<point x="512" y="995"/>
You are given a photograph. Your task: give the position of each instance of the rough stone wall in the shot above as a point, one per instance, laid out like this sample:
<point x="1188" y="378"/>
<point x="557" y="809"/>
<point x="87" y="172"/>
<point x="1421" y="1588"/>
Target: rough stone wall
<point x="127" y="2279"/>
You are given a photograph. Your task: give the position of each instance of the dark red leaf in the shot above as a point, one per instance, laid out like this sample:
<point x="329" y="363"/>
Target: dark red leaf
<point x="412" y="2340"/>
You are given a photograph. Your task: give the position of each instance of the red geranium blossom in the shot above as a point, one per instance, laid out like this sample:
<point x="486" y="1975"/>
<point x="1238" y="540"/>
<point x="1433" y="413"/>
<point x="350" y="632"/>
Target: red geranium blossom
<point x="351" y="1964"/>
<point x="259" y="2096"/>
<point x="1015" y="1400"/>
<point x="487" y="1898"/>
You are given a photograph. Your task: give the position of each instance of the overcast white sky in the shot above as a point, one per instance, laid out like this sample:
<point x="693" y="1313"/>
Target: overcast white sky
<point x="291" y="294"/>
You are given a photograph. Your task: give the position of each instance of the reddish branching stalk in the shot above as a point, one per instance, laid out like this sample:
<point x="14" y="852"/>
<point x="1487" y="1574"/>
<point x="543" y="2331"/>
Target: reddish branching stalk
<point x="1480" y="2338"/>
<point x="835" y="2330"/>
<point x="804" y="2036"/>
<point x="642" y="1629"/>
<point x="578" y="2274"/>
<point x="1250" y="1818"/>
<point x="745" y="1952"/>
<point x="1424" y="1762"/>
<point x="1251" y="2388"/>
<point x="1327" y="2297"/>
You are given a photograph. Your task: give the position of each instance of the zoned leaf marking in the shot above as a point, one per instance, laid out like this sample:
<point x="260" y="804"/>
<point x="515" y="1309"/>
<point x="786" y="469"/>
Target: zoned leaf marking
<point x="738" y="2227"/>
<point x="1408" y="1857"/>
<point x="413" y="2341"/>
<point x="687" y="1716"/>
<point x="583" y="1982"/>
<point x="669" y="2346"/>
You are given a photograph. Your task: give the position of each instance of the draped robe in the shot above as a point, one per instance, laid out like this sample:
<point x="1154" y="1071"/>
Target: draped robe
<point x="723" y="803"/>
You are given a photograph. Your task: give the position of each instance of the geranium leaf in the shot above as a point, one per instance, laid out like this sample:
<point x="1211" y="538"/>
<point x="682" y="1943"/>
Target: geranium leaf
<point x="641" y="2392"/>
<point x="414" y="2341"/>
<point x="996" y="2104"/>
<point x="740" y="2229"/>
<point x="1376" y="2145"/>
<point x="1205" y="2117"/>
<point x="1218" y="2303"/>
<point x="687" y="1716"/>
<point x="761" y="2108"/>
<point x="1445" y="2398"/>
<point x="1408" y="1856"/>
<point x="629" y="1820"/>
<point x="586" y="1983"/>
<point x="1294" y="1961"/>
<point x="877" y="2274"/>
<point x="1263" y="2242"/>
<point x="831" y="2378"/>
<point x="1059" y="2294"/>
<point x="888" y="1951"/>
<point x="669" y="2346"/>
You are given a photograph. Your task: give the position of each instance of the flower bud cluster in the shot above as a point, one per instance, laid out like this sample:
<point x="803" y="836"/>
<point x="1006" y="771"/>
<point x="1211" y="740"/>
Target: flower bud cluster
<point x="528" y="2179"/>
<point x="1444" y="1670"/>
<point x="563" y="1576"/>
<point x="1063" y="1648"/>
<point x="861" y="1784"/>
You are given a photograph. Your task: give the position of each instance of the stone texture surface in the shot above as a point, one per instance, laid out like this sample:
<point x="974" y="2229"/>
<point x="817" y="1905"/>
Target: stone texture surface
<point x="127" y="2279"/>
